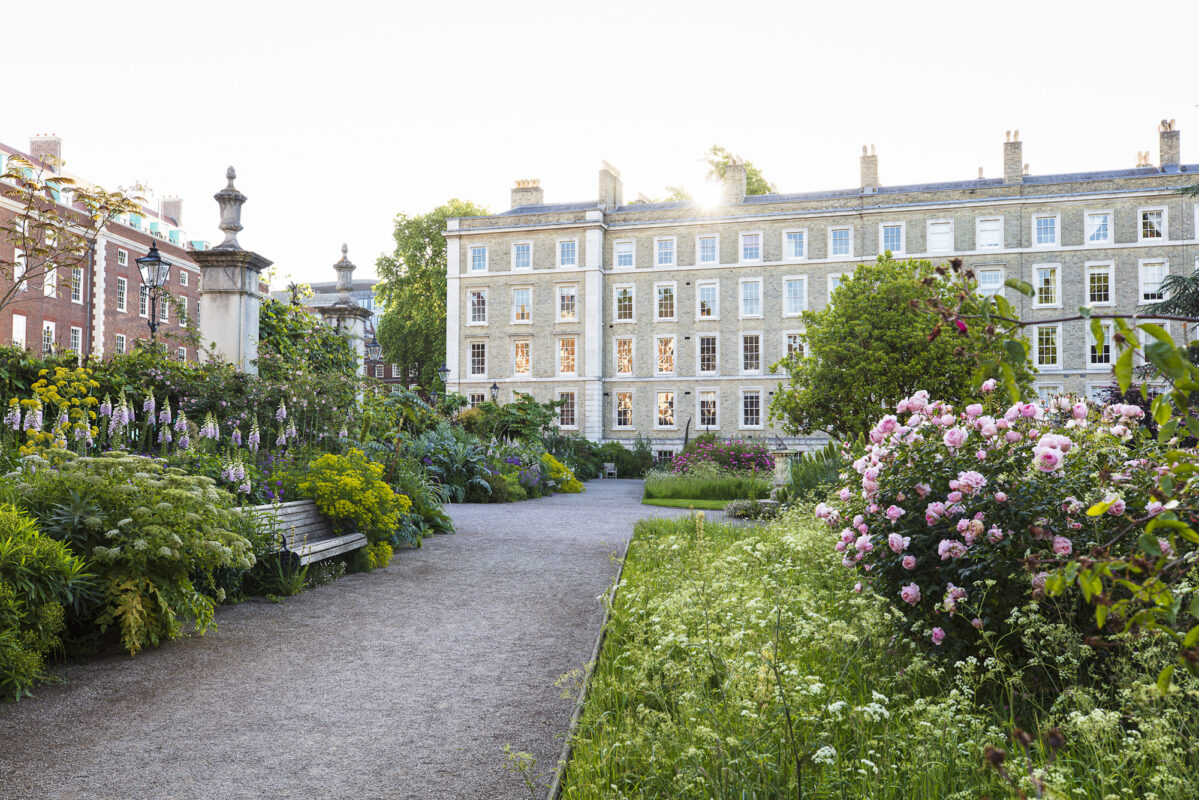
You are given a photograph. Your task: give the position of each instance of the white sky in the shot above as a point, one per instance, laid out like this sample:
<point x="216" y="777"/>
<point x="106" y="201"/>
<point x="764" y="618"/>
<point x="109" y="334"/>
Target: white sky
<point x="339" y="115"/>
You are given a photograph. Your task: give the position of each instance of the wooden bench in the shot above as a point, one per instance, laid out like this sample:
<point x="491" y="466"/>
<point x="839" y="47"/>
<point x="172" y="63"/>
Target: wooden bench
<point x="307" y="533"/>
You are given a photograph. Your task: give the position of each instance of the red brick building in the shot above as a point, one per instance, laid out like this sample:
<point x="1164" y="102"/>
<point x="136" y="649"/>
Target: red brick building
<point x="101" y="308"/>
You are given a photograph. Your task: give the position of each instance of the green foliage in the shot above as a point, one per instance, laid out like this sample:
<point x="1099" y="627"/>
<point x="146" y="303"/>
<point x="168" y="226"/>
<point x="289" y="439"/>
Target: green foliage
<point x="39" y="579"/>
<point x="524" y="419"/>
<point x="291" y="340"/>
<point x="705" y="483"/>
<point x="560" y="478"/>
<point x="630" y="463"/>
<point x="739" y="663"/>
<point x="872" y="346"/>
<point x="413" y="290"/>
<point x="812" y="476"/>
<point x="718" y="159"/>
<point x="145" y="529"/>
<point x="453" y="459"/>
<point x="351" y="492"/>
<point x="751" y="509"/>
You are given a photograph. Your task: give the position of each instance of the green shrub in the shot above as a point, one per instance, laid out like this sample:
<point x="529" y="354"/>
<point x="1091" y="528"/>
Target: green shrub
<point x="812" y="476"/>
<point x="351" y="492"/>
<point x="559" y="477"/>
<point x="145" y="529"/>
<point x="630" y="463"/>
<point x="751" y="509"/>
<point x="513" y="488"/>
<point x="39" y="579"/>
<point x="705" y="483"/>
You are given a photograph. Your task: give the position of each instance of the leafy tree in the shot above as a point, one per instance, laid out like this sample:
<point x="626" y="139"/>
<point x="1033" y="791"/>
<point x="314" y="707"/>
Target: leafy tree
<point x="718" y="159"/>
<point x="412" y="288"/>
<point x="874" y="345"/>
<point x="290" y="339"/>
<point x="52" y="240"/>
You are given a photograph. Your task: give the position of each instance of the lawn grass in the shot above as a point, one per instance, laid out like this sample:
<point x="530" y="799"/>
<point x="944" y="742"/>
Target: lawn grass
<point x="683" y="487"/>
<point x="674" y="502"/>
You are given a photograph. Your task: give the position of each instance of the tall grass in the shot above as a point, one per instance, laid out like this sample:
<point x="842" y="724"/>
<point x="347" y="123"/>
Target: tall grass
<point x="705" y="487"/>
<point x="739" y="663"/>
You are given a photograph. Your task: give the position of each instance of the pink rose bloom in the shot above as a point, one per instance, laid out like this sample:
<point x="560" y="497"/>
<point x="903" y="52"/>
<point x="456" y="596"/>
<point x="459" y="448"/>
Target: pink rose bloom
<point x="845" y="494"/>
<point x="1079" y="410"/>
<point x="954" y="497"/>
<point x="1116" y="509"/>
<point x="872" y="508"/>
<point x="962" y="525"/>
<point x="934" y="512"/>
<point x="950" y="548"/>
<point x="994" y="534"/>
<point x="988" y="386"/>
<point x="989" y="430"/>
<point x="847" y="562"/>
<point x="909" y="562"/>
<point x="839" y="547"/>
<point x="1062" y="546"/>
<point x="974" y="409"/>
<point x="858" y="519"/>
<point x="910" y="594"/>
<point x="1000" y="497"/>
<point x="1153" y="508"/>
<point x="1056" y="441"/>
<point x="981" y="455"/>
<point x="862" y="544"/>
<point x="976" y="622"/>
<point x="1038" y="582"/>
<point x="894" y="513"/>
<point x="857" y="587"/>
<point x="1012" y="437"/>
<point x="1167" y="550"/>
<point x="971" y="481"/>
<point x="954" y="438"/>
<point x="938" y="636"/>
<point x="898" y="543"/>
<point x="1002" y="424"/>
<point x="946" y="420"/>
<point x="888" y="424"/>
<point x="918" y="401"/>
<point x="1047" y="459"/>
<point x="1031" y="411"/>
<point x="923" y="489"/>
<point x="902" y="408"/>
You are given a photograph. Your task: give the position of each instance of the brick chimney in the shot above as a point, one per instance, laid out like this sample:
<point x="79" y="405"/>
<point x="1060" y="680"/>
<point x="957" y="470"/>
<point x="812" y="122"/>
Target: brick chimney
<point x="172" y="209"/>
<point x="732" y="185"/>
<point x="528" y="192"/>
<point x="1169" y="148"/>
<point x="611" y="189"/>
<point x="1013" y="158"/>
<point x="869" y="171"/>
<point x="46" y="144"/>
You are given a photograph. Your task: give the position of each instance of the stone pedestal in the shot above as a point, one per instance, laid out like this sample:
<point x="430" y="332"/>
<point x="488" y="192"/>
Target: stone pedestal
<point x="349" y="319"/>
<point x="230" y="303"/>
<point x="782" y="466"/>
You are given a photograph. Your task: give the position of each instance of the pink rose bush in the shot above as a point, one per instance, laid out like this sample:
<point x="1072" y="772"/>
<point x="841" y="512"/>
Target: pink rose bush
<point x="959" y="517"/>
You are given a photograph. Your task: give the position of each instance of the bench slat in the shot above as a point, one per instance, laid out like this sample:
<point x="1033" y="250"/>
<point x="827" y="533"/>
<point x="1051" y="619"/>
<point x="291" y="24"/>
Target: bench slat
<point x="307" y="533"/>
<point x="333" y="547"/>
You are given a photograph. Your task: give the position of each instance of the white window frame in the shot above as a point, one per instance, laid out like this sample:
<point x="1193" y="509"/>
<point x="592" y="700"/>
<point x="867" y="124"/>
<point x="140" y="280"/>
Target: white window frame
<point x="120" y="344"/>
<point x="632" y="243"/>
<point x="528" y="343"/>
<point x="1057" y="289"/>
<point x="978" y="221"/>
<point x="698" y="249"/>
<point x="470" y="258"/>
<point x="803" y="306"/>
<point x="674" y="251"/>
<point x="741" y="395"/>
<point x="741" y="259"/>
<point x="741" y="299"/>
<point x="674" y="294"/>
<point x="1108" y="267"/>
<point x="928" y="236"/>
<point x="828" y="284"/>
<point x="143" y="309"/>
<point x="632" y="287"/>
<point x="616" y="410"/>
<point x="699" y="337"/>
<point x="741" y="370"/>
<point x="558" y="357"/>
<point x="378" y="369"/>
<point x="789" y="333"/>
<point x="840" y="256"/>
<point x="122" y="258"/>
<point x="699" y="286"/>
<point x="48" y="325"/>
<point x="75" y="340"/>
<point x="574" y="408"/>
<point x="183" y="277"/>
<point x="470" y="306"/>
<point x="183" y="311"/>
<point x="558" y="288"/>
<point x="477" y="399"/>
<point x="674" y="408"/>
<point x="513" y="266"/>
<point x="979" y="270"/>
<point x="616" y="340"/>
<point x="1165" y="237"/>
<point x="20" y="270"/>
<point x="1109" y="328"/>
<point x="699" y="393"/>
<point x="1046" y="391"/>
<point x="1036" y="353"/>
<point x="50" y="280"/>
<point x="558" y="252"/>
<point x="1057" y="231"/>
<point x="77" y="284"/>
<point x="470" y="358"/>
<point x="1141" y="264"/>
<point x="903" y="237"/>
<point x="674" y="362"/>
<point x="23" y="339"/>
<point x="512" y="301"/>
<point x="1111" y="228"/>
<point x="783" y="241"/>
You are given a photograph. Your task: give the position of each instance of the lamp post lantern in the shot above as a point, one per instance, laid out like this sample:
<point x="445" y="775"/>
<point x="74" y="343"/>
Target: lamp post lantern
<point x="443" y="372"/>
<point x="373" y="349"/>
<point x="155" y="272"/>
<point x="495" y="392"/>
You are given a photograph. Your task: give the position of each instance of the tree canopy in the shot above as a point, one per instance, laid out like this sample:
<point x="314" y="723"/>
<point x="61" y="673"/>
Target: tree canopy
<point x="875" y="344"/>
<point x="412" y="289"/>
<point x="718" y="159"/>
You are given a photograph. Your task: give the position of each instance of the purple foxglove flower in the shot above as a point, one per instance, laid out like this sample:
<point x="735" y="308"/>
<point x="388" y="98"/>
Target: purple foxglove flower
<point x="239" y="472"/>
<point x="106" y="407"/>
<point x="343" y="434"/>
<point x="281" y="441"/>
<point x="184" y="442"/>
<point x="244" y="488"/>
<point x="235" y="437"/>
<point x="281" y="414"/>
<point x="164" y="436"/>
<point x="164" y="416"/>
<point x="149" y="406"/>
<point x="181" y="423"/>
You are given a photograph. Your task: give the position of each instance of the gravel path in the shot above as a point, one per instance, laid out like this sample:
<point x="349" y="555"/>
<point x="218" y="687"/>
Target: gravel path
<point x="403" y="683"/>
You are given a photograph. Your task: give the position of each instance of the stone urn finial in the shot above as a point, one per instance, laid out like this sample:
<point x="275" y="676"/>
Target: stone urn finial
<point x="345" y="271"/>
<point x="230" y="201"/>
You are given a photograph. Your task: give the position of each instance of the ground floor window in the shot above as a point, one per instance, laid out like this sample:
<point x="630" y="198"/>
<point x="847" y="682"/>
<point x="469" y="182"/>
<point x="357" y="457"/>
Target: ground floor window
<point x="566" y="412"/>
<point x="476" y="399"/>
<point x="665" y="409"/>
<point x="751" y="409"/>
<point x="624" y="409"/>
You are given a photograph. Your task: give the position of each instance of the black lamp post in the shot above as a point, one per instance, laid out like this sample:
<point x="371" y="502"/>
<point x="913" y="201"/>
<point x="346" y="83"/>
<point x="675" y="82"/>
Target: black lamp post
<point x="373" y="349"/>
<point x="495" y="392"/>
<point x="154" y="272"/>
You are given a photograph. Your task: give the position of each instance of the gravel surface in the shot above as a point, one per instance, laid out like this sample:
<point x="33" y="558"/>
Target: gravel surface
<point x="402" y="683"/>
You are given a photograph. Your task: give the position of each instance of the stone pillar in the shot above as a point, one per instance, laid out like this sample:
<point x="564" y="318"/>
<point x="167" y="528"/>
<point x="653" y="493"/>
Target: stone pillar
<point x="453" y="305"/>
<point x="1169" y="148"/>
<point x="229" y="298"/>
<point x="346" y="316"/>
<point x="869" y="171"/>
<point x="592" y="401"/>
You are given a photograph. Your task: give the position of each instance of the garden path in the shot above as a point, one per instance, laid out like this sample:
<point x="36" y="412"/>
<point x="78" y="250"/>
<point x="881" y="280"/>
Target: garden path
<point x="406" y="682"/>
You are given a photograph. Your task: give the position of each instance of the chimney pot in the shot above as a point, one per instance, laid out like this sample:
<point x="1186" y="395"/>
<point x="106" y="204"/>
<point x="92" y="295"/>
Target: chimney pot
<point x="45" y="146"/>
<point x="528" y="192"/>
<point x="1013" y="158"/>
<point x="1169" y="147"/>
<point x="870" y="182"/>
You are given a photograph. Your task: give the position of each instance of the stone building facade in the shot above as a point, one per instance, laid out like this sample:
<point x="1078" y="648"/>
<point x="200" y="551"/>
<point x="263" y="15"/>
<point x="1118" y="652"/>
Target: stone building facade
<point x="101" y="308"/>
<point x="659" y="319"/>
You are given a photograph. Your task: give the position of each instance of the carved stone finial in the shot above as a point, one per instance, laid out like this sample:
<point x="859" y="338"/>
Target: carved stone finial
<point x="345" y="272"/>
<point x="230" y="201"/>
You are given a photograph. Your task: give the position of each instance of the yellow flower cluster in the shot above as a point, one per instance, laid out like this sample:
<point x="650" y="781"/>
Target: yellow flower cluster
<point x="68" y="407"/>
<point x="561" y="478"/>
<point x="351" y="489"/>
